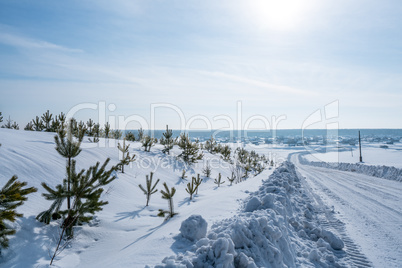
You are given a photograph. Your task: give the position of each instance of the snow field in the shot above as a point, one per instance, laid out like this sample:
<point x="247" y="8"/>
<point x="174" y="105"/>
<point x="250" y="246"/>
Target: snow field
<point x="125" y="233"/>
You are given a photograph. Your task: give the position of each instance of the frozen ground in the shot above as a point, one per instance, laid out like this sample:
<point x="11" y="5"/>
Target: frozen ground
<point x="371" y="152"/>
<point x="369" y="207"/>
<point x="127" y="234"/>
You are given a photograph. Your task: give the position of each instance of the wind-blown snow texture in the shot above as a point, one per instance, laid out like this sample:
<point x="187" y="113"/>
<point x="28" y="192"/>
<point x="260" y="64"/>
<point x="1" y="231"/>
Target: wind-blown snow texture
<point x="278" y="227"/>
<point x="385" y="172"/>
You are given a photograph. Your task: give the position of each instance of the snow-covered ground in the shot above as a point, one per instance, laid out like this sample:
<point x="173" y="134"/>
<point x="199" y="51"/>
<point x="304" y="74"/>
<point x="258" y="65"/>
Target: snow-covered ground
<point x="372" y="154"/>
<point x="128" y="234"/>
<point x="369" y="207"/>
<point x="125" y="233"/>
<point x="278" y="227"/>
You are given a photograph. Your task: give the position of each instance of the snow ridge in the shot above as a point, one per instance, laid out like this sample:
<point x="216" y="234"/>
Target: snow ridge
<point x="385" y="172"/>
<point x="277" y="227"/>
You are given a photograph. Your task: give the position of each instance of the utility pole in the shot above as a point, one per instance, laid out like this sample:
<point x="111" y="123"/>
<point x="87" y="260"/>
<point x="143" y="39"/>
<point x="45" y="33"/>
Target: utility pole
<point x="360" y="148"/>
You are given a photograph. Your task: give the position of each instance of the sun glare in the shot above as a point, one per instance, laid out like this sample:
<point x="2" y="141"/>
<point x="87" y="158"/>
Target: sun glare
<point x="280" y="15"/>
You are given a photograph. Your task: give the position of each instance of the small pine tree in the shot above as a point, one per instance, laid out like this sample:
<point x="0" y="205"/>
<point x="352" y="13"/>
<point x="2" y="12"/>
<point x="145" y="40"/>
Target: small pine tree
<point x="90" y="125"/>
<point x="55" y="125"/>
<point x="189" y="149"/>
<point x="183" y="175"/>
<point x="207" y="170"/>
<point x="47" y="119"/>
<point x="198" y="182"/>
<point x="8" y="123"/>
<point x="130" y="136"/>
<point x="210" y="145"/>
<point x="117" y="134"/>
<point x="191" y="188"/>
<point x="232" y="178"/>
<point x="96" y="130"/>
<point x="242" y="155"/>
<point x="29" y="127"/>
<point x="37" y="124"/>
<point x="1" y="117"/>
<point x="168" y="195"/>
<point x="218" y="180"/>
<point x="225" y="151"/>
<point x="126" y="159"/>
<point x="86" y="189"/>
<point x="107" y="130"/>
<point x="167" y="140"/>
<point x="150" y="189"/>
<point x="147" y="143"/>
<point x="69" y="149"/>
<point x="62" y="118"/>
<point x="81" y="130"/>
<point x="140" y="134"/>
<point x="12" y="195"/>
<point x="15" y="126"/>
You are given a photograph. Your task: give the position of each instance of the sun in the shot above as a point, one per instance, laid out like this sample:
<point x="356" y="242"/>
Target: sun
<point x="280" y="15"/>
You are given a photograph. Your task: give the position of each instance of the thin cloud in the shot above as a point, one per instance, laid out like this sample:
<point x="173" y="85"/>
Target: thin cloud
<point x="258" y="83"/>
<point x="25" y="42"/>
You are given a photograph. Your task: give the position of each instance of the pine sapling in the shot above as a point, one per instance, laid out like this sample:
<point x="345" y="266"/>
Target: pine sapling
<point x="62" y="118"/>
<point x="225" y="151"/>
<point x="232" y="178"/>
<point x="90" y="125"/>
<point x="15" y="126"/>
<point x="198" y="182"/>
<point x="130" y="136"/>
<point x="147" y="143"/>
<point x="55" y="125"/>
<point x="168" y="195"/>
<point x="12" y="195"/>
<point x="107" y="130"/>
<point x="207" y="170"/>
<point x="218" y="180"/>
<point x="117" y="134"/>
<point x="191" y="188"/>
<point x="183" y="175"/>
<point x="140" y="134"/>
<point x="167" y="140"/>
<point x="37" y="123"/>
<point x="189" y="149"/>
<point x="29" y="127"/>
<point x="150" y="189"/>
<point x="126" y="159"/>
<point x="47" y="118"/>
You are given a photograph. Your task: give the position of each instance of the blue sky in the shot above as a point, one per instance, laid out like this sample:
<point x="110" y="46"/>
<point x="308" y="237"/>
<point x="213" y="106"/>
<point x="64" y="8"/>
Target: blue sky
<point x="275" y="57"/>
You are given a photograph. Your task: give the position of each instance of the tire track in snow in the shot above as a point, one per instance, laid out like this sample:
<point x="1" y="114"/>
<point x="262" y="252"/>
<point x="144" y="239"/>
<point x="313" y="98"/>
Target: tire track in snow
<point x="330" y="222"/>
<point x="370" y="216"/>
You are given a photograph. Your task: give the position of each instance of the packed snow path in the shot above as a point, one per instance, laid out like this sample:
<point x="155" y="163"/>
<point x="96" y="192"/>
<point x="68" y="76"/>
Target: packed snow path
<point x="369" y="207"/>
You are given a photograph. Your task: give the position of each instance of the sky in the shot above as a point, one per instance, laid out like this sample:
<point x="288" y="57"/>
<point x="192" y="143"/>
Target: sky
<point x="204" y="64"/>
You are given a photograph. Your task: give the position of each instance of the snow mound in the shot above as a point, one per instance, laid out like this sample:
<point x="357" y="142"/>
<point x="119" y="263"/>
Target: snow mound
<point x="194" y="228"/>
<point x="385" y="172"/>
<point x="277" y="227"/>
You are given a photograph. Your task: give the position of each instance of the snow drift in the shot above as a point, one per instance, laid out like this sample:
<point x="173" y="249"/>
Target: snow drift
<point x="277" y="227"/>
<point x="385" y="172"/>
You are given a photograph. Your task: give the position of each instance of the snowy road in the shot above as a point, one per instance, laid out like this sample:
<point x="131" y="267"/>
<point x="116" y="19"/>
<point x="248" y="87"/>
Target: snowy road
<point x="370" y="208"/>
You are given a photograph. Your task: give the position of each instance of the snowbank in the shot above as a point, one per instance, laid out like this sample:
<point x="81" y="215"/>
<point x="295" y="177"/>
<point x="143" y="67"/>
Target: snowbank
<point x="277" y="227"/>
<point x="385" y="172"/>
